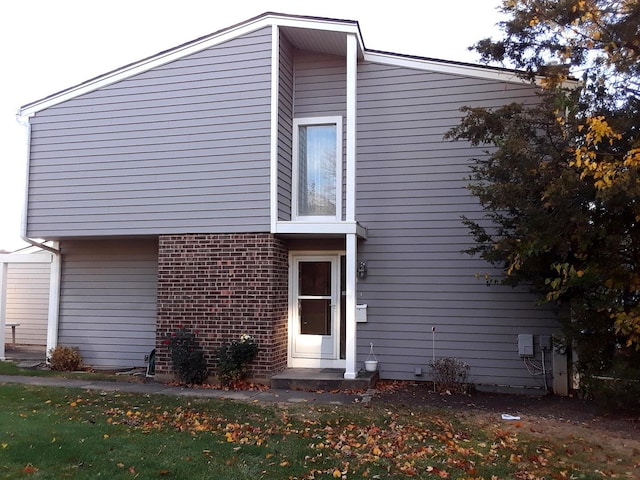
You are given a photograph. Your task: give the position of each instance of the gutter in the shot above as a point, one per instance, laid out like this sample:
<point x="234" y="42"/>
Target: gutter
<point x="53" y="316"/>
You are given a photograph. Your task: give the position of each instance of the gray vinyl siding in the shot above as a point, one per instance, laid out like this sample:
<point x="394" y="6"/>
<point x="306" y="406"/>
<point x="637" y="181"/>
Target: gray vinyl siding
<point x="410" y="195"/>
<point x="183" y="147"/>
<point x="28" y="302"/>
<point x="108" y="300"/>
<point x="285" y="129"/>
<point x="321" y="90"/>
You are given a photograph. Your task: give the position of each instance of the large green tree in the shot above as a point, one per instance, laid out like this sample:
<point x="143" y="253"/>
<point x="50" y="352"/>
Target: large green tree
<point x="560" y="184"/>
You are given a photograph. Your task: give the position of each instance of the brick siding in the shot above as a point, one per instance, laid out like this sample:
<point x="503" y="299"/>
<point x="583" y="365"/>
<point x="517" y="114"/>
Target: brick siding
<point x="223" y="286"/>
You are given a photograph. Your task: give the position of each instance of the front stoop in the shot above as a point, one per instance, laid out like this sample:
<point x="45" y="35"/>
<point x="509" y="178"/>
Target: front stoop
<point x="322" y="379"/>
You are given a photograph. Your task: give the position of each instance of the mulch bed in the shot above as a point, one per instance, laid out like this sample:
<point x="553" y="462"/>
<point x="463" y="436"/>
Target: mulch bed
<point x="563" y="409"/>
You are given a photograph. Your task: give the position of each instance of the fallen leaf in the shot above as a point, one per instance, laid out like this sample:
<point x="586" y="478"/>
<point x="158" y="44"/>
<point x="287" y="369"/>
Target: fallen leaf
<point x="29" y="469"/>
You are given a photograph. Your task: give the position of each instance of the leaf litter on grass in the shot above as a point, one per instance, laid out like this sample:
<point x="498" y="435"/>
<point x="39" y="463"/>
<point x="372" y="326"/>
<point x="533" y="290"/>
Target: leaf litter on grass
<point x="315" y="441"/>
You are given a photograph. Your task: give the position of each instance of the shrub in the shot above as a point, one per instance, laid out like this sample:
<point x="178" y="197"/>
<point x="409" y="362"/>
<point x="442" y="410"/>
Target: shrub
<point x="450" y="375"/>
<point x="187" y="358"/>
<point x="65" y="359"/>
<point x="615" y="389"/>
<point x="234" y="359"/>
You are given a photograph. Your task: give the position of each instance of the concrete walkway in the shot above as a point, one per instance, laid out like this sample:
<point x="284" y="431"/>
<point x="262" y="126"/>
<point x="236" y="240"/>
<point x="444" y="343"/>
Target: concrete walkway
<point x="154" y="388"/>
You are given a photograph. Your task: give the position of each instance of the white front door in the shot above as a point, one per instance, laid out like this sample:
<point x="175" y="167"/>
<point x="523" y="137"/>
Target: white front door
<point x="314" y="333"/>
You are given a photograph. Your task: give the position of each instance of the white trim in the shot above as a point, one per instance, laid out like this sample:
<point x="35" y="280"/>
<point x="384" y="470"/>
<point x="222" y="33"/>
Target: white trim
<point x="352" y="92"/>
<point x="146" y="64"/>
<point x="315" y="23"/>
<point x="3" y="307"/>
<point x="321" y="228"/>
<point x="312" y="121"/>
<point x="184" y="50"/>
<point x="351" y="371"/>
<point x="54" y="301"/>
<point x="267" y="20"/>
<point x="43" y="257"/>
<point x="431" y="65"/>
<point x="275" y="87"/>
<point x="314" y="361"/>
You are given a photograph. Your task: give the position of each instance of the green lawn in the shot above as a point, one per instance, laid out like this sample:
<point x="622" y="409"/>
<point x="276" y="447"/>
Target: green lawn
<point x="10" y="368"/>
<point x="55" y="433"/>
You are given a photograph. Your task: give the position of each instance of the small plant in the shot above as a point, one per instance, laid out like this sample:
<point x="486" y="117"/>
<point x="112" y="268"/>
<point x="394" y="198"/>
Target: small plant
<point x="234" y="359"/>
<point x="450" y="375"/>
<point x="65" y="359"/>
<point x="187" y="357"/>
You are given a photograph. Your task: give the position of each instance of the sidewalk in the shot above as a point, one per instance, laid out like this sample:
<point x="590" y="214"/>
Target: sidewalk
<point x="153" y="388"/>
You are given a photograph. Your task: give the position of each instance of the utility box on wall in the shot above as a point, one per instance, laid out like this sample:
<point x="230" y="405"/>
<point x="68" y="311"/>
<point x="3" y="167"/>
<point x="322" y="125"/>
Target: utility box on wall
<point x="525" y="345"/>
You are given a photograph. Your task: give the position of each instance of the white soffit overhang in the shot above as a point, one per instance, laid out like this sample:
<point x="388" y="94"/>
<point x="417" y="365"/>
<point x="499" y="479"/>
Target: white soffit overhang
<point x="323" y="35"/>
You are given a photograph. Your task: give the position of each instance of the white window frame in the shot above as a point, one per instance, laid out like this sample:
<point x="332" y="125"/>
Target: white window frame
<point x="313" y="121"/>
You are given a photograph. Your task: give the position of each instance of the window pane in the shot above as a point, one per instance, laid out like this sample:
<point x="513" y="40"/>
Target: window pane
<point x="315" y="278"/>
<point x="317" y="170"/>
<point x="315" y="317"/>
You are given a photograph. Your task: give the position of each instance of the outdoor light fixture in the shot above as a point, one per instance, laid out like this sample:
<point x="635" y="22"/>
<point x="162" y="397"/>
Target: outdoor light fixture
<point x="362" y="270"/>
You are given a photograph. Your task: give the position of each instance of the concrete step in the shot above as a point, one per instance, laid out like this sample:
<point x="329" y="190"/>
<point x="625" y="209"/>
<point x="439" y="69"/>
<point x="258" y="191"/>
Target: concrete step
<point x="322" y="379"/>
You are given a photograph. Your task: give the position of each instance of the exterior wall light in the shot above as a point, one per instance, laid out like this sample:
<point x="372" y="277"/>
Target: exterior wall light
<point x="362" y="270"/>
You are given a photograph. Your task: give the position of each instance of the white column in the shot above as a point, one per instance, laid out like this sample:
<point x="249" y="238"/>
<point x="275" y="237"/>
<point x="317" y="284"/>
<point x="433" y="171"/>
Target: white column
<point x="3" y="306"/>
<point x="352" y="75"/>
<point x="350" y="342"/>
<point x="275" y="86"/>
<point x="54" y="301"/>
<point x="351" y="240"/>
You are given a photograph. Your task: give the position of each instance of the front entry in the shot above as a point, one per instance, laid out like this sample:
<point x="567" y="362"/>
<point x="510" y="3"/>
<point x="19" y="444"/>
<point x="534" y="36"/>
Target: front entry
<point x="316" y="311"/>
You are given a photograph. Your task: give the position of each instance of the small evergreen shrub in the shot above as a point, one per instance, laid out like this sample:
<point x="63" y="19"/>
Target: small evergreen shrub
<point x="187" y="358"/>
<point x="450" y="375"/>
<point x="65" y="359"/>
<point x="234" y="359"/>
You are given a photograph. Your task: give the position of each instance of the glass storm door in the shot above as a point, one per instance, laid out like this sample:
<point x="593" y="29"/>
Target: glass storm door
<point x="315" y="310"/>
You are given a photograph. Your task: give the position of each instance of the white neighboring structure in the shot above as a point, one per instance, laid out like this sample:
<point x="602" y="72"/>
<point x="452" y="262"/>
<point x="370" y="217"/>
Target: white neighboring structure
<point x="25" y="277"/>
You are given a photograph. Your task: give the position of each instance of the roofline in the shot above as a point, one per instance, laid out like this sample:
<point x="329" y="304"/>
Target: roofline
<point x="253" y="24"/>
<point x="193" y="46"/>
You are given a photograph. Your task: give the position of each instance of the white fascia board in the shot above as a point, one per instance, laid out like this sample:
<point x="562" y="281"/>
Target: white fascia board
<point x="320" y="228"/>
<point x="316" y="23"/>
<point x="145" y="65"/>
<point x="477" y="71"/>
<point x="185" y="50"/>
<point x="26" y="257"/>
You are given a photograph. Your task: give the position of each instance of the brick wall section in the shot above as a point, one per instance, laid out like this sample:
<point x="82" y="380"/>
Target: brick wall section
<point x="224" y="285"/>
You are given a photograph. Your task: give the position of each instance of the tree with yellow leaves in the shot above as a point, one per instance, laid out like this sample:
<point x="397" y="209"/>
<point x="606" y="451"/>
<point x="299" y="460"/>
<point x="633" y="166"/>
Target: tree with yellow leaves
<point x="560" y="185"/>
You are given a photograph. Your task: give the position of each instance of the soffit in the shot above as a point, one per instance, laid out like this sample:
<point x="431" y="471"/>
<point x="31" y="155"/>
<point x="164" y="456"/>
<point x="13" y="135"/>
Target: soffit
<point x="321" y="41"/>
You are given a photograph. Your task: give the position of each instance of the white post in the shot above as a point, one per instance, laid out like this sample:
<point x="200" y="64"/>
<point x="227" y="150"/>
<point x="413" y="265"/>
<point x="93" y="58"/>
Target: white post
<point x="54" y="301"/>
<point x="351" y="240"/>
<point x="352" y="75"/>
<point x="275" y="86"/>
<point x="3" y="307"/>
<point x="350" y="342"/>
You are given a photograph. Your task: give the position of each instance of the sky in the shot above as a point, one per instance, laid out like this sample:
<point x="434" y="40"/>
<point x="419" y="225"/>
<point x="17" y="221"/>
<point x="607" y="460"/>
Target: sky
<point x="50" y="45"/>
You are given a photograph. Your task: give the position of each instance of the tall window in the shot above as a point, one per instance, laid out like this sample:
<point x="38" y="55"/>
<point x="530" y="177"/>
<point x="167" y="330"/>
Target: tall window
<point x="317" y="168"/>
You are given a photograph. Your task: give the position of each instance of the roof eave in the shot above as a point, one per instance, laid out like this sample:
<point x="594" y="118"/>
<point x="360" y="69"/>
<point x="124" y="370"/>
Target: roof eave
<point x="193" y="46"/>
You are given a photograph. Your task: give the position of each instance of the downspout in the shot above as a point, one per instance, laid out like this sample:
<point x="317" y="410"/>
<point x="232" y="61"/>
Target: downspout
<point x="56" y="260"/>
